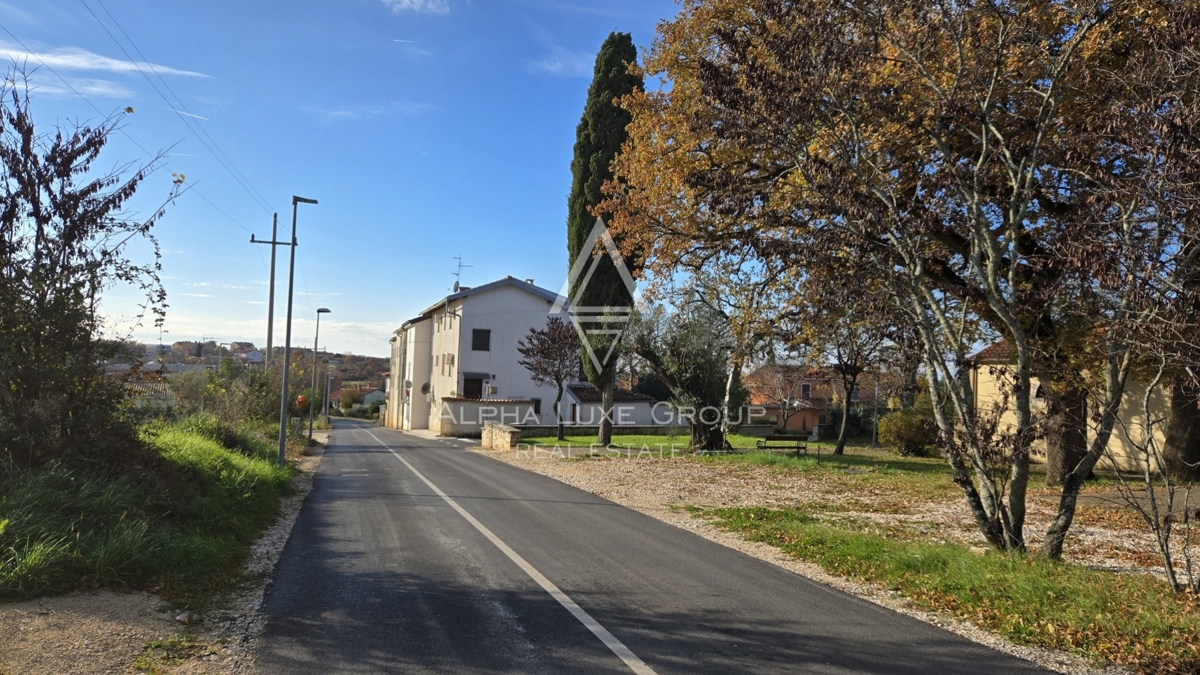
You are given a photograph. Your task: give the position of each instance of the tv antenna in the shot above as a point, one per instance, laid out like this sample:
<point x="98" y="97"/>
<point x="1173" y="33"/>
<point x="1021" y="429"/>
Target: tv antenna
<point x="458" y="274"/>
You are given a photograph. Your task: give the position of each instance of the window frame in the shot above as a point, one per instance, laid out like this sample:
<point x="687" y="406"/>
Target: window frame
<point x="476" y="333"/>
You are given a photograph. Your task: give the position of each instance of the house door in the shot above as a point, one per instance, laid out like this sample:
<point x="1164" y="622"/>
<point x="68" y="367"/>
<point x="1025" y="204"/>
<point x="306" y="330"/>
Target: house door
<point x="473" y="388"/>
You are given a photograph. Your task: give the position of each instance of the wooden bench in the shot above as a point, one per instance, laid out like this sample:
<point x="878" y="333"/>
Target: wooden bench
<point x="796" y="444"/>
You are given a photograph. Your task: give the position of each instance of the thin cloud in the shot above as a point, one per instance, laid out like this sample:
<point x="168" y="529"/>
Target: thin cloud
<point x="74" y="58"/>
<point x="91" y="88"/>
<point x="391" y="109"/>
<point x="255" y="302"/>
<point x="425" y="6"/>
<point x="180" y="112"/>
<point x="196" y="295"/>
<point x="407" y="48"/>
<point x="565" y="63"/>
<point x="8" y="10"/>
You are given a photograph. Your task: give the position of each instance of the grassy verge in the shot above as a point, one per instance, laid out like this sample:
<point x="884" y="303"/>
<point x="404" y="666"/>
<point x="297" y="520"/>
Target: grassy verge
<point x="1127" y="619"/>
<point x="180" y="522"/>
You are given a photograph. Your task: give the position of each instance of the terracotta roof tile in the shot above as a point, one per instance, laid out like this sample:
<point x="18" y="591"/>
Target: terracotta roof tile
<point x="1001" y="352"/>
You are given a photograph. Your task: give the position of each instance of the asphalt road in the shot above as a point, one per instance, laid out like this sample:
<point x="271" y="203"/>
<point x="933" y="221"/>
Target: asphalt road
<point x="416" y="556"/>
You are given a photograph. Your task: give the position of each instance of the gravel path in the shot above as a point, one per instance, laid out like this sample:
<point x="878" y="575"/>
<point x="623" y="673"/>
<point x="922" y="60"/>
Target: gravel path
<point x="657" y="487"/>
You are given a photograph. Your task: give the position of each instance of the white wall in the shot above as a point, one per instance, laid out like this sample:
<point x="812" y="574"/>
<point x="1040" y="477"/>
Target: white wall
<point x="395" y="389"/>
<point x="509" y="313"/>
<point x="419" y="338"/>
<point x="444" y="327"/>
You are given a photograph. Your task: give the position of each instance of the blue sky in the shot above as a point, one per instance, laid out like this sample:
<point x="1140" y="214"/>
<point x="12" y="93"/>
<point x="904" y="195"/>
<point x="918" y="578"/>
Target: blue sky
<point x="427" y="129"/>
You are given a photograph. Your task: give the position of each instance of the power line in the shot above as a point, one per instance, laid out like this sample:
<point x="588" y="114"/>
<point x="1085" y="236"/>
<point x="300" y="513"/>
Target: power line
<point x="74" y="90"/>
<point x="178" y="99"/>
<point x="191" y="126"/>
<point x="124" y="133"/>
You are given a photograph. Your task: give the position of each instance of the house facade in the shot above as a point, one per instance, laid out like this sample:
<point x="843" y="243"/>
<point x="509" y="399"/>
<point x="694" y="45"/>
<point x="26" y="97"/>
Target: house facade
<point x="456" y="365"/>
<point x="992" y="387"/>
<point x="457" y="362"/>
<point x="798" y="397"/>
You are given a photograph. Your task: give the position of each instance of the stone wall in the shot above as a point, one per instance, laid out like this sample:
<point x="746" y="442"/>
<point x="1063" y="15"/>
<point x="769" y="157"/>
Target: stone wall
<point x="465" y="418"/>
<point x="499" y="437"/>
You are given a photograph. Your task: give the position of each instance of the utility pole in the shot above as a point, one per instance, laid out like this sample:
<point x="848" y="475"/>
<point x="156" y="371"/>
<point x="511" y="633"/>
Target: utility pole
<point x="313" y="389"/>
<point x="328" y="378"/>
<point x="271" y="297"/>
<point x="287" y="341"/>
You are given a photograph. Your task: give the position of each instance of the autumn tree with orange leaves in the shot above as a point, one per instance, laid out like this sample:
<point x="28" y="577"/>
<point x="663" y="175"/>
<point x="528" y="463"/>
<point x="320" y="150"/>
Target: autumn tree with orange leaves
<point x="1020" y="170"/>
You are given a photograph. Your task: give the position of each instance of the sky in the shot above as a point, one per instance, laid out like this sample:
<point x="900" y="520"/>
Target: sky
<point x="426" y="129"/>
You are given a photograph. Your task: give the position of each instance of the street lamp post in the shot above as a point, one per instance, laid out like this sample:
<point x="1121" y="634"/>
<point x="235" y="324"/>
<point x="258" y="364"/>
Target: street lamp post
<point x="287" y="341"/>
<point x="313" y="391"/>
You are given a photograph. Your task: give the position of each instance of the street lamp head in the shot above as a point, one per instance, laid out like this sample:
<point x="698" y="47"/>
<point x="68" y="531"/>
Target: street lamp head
<point x="302" y="200"/>
<point x="322" y="310"/>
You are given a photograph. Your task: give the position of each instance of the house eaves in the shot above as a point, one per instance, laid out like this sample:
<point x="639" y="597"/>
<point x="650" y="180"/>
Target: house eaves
<point x="548" y="296"/>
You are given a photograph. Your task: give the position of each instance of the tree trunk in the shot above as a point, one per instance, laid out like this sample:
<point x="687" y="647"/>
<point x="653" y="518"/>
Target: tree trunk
<point x="847" y="390"/>
<point x="608" y="396"/>
<point x="1181" y="447"/>
<point x="706" y="437"/>
<point x="1116" y="375"/>
<point x="1066" y="430"/>
<point x="910" y="387"/>
<point x="558" y="412"/>
<point x="731" y="383"/>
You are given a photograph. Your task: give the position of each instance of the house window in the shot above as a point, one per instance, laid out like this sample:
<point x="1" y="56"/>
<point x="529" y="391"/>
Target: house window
<point x="481" y="340"/>
<point x="805" y="391"/>
<point x="537" y="406"/>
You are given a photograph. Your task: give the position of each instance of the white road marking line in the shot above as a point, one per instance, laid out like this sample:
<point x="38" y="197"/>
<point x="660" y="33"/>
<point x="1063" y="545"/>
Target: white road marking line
<point x="635" y="664"/>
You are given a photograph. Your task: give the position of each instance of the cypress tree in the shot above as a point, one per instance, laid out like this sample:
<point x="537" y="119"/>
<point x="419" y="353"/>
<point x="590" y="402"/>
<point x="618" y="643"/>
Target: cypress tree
<point x="598" y="140"/>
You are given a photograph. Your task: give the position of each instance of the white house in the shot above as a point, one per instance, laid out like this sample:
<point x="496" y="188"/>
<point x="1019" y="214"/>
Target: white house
<point x="456" y="365"/>
<point x="584" y="407"/>
<point x="249" y="355"/>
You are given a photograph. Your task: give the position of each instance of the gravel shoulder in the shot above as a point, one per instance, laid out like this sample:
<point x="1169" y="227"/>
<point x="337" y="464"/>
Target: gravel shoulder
<point x="104" y="632"/>
<point x="659" y="487"/>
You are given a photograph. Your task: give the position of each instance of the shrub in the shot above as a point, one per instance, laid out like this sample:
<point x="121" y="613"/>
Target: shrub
<point x="912" y="431"/>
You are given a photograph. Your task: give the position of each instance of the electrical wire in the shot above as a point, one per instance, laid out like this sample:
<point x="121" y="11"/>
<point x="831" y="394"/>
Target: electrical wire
<point x="192" y="126"/>
<point x="124" y="133"/>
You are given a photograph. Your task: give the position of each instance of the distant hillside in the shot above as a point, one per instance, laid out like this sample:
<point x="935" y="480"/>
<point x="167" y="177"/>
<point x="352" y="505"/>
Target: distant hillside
<point x="352" y="367"/>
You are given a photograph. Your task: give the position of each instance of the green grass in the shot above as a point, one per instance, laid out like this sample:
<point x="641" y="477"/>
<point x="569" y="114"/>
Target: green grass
<point x="683" y="441"/>
<point x="181" y="523"/>
<point x="1128" y="619"/>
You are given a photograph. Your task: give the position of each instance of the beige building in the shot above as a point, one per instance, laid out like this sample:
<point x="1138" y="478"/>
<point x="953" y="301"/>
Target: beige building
<point x="988" y="381"/>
